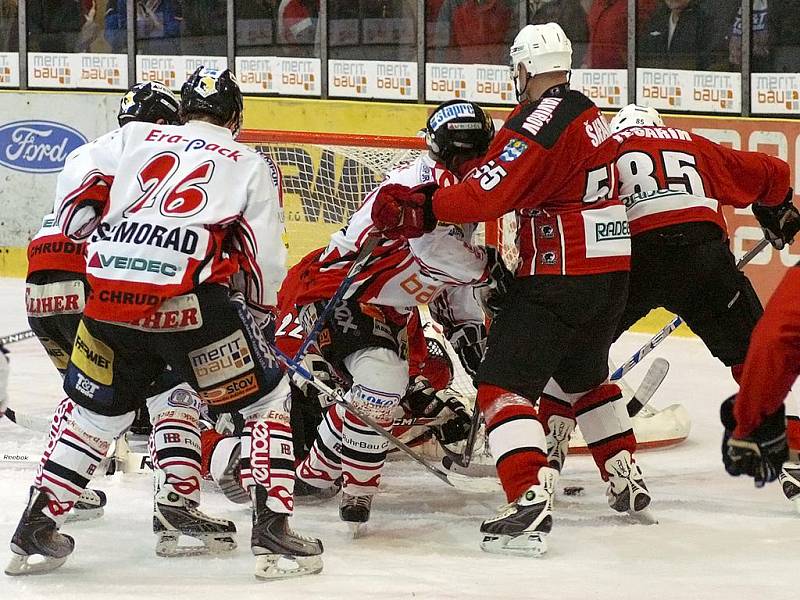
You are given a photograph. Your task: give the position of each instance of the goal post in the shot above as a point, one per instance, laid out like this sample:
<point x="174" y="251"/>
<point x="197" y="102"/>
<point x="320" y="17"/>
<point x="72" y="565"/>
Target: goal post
<point x="325" y="178"/>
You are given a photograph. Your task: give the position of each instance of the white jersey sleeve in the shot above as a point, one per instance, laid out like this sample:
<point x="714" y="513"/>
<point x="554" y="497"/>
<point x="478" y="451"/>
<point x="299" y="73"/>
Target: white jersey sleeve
<point x="83" y="186"/>
<point x="261" y="238"/>
<point x="446" y="255"/>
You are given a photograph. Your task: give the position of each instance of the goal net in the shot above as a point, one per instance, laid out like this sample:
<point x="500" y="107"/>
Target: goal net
<point x="325" y="177"/>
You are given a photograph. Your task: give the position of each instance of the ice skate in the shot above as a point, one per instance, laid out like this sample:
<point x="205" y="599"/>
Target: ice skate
<point x="305" y="493"/>
<point x="627" y="491"/>
<point x="37" y="535"/>
<point x="790" y="482"/>
<point x="520" y="528"/>
<point x="354" y="510"/>
<point x="174" y="516"/>
<point x="280" y="552"/>
<point x="89" y="506"/>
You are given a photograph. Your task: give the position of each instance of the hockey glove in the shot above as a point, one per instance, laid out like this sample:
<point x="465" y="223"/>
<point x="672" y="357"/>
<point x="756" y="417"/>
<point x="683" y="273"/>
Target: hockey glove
<point x="400" y="212"/>
<point x="761" y="454"/>
<point x="780" y="223"/>
<point x="4" y="368"/>
<point x="500" y="278"/>
<point x="457" y="427"/>
<point x="322" y="372"/>
<point x="421" y="399"/>
<point x="469" y="342"/>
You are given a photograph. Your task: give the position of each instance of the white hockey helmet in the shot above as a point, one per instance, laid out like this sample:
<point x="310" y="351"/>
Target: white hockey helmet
<point x="634" y="115"/>
<point x="542" y="49"/>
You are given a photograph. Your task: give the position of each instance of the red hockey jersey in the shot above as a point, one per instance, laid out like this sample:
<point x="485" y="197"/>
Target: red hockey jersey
<point x="668" y="176"/>
<point x="548" y="164"/>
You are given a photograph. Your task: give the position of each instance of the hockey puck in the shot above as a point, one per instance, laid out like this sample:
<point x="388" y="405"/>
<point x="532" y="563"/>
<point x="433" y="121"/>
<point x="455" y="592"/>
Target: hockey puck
<point x="573" y="490"/>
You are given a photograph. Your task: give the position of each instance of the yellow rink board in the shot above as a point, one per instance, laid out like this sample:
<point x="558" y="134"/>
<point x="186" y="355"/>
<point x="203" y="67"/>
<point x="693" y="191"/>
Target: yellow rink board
<point x="326" y="116"/>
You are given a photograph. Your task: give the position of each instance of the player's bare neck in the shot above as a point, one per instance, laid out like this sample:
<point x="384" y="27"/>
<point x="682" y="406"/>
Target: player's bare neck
<point x="538" y="86"/>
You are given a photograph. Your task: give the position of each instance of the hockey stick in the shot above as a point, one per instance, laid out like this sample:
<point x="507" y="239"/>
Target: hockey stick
<point x="30" y="422"/>
<point x="674" y="324"/>
<point x="649" y="385"/>
<point x="451" y="479"/>
<point x="16" y="337"/>
<point x="352" y="273"/>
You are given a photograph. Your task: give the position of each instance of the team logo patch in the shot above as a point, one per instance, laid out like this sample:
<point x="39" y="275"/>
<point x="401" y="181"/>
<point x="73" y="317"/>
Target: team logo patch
<point x="182" y="398"/>
<point x="207" y="86"/>
<point x="94" y="358"/>
<point x="231" y="391"/>
<point x="513" y="150"/>
<point x="56" y="353"/>
<point x="222" y="360"/>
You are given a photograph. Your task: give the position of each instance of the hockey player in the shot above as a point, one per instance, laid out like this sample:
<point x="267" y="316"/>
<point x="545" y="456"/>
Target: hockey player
<point x="169" y="214"/>
<point x="366" y="337"/>
<point x="557" y="318"/>
<point x="755" y="441"/>
<point x="674" y="184"/>
<point x="55" y="296"/>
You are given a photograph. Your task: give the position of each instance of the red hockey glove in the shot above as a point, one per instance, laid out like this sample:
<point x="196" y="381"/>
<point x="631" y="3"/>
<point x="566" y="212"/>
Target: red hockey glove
<point x="399" y="212"/>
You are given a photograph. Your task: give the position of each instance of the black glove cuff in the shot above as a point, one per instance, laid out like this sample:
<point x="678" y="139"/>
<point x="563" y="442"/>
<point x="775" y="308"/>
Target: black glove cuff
<point x="772" y="427"/>
<point x="726" y="414"/>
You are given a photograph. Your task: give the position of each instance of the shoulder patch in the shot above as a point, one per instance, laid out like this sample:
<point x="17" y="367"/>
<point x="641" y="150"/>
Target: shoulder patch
<point x="513" y="150"/>
<point x="545" y="121"/>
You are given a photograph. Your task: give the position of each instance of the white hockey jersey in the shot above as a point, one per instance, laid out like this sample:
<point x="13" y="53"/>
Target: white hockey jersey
<point x="179" y="206"/>
<point x="402" y="273"/>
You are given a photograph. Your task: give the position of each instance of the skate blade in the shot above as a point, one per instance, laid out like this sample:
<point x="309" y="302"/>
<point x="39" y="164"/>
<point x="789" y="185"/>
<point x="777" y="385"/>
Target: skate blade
<point x="167" y="545"/>
<point x="20" y="564"/>
<point x="270" y="567"/>
<point x="357" y="530"/>
<point x="84" y="514"/>
<point x="642" y="517"/>
<point x="531" y="544"/>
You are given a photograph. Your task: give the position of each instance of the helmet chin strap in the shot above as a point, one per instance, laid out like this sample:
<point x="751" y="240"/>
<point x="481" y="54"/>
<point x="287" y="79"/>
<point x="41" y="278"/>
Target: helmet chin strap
<point x="517" y="89"/>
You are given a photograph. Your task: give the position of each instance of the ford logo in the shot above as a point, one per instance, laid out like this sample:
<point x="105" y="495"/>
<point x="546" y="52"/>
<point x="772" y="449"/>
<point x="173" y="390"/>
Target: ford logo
<point x="37" y="146"/>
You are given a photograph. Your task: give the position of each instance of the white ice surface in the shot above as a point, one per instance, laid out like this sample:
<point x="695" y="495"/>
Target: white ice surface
<point x="718" y="537"/>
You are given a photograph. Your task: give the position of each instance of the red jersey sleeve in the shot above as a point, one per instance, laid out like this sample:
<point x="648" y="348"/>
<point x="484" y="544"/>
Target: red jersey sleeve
<point x="738" y="178"/>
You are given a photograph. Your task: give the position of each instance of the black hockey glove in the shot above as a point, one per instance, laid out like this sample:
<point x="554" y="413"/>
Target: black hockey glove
<point x="760" y="455"/>
<point x="780" y="223"/>
<point x="451" y="421"/>
<point x="456" y="428"/>
<point x="493" y="297"/>
<point x="469" y="342"/>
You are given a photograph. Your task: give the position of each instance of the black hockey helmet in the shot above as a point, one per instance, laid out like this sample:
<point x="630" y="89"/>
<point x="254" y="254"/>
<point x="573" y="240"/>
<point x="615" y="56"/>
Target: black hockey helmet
<point x="213" y="92"/>
<point x="458" y="129"/>
<point x="149" y="102"/>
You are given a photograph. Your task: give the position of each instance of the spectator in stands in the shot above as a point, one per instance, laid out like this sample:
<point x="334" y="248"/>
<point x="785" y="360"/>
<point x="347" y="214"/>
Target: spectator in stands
<point x="298" y="22"/>
<point x="567" y="13"/>
<point x="53" y="25"/>
<point x="775" y="37"/>
<point x="678" y="36"/>
<point x="205" y="27"/>
<point x="9" y="28"/>
<point x="480" y="31"/>
<point x="158" y="26"/>
<point x="608" y="32"/>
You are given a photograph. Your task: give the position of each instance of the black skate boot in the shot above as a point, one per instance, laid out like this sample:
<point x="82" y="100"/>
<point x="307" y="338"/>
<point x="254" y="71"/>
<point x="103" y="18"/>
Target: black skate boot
<point x="354" y="510"/>
<point x="280" y="552"/>
<point x="37" y="534"/>
<point x="627" y="491"/>
<point x="305" y="493"/>
<point x="89" y="506"/>
<point x="790" y="482"/>
<point x="520" y="528"/>
<point x="174" y="516"/>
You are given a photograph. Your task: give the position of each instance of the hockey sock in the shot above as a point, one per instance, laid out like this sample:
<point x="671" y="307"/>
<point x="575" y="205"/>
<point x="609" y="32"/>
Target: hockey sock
<point x="323" y="465"/>
<point x="175" y="441"/>
<point x="516" y="438"/>
<point x="364" y="450"/>
<point x="603" y="418"/>
<point x="558" y="419"/>
<point x="380" y="379"/>
<point x="77" y="443"/>
<point x="268" y="460"/>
